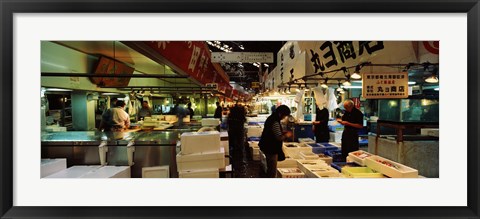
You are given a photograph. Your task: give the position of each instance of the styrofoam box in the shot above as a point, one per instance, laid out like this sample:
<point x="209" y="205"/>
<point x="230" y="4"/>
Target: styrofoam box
<point x="287" y="163"/>
<point x="224" y="136"/>
<point x="395" y="171"/>
<point x="336" y="136"/>
<point x="254" y="131"/>
<point x="156" y="172"/>
<point x="294" y="149"/>
<point x="51" y="166"/>
<point x="430" y="132"/>
<point x="306" y="140"/>
<point x="109" y="172"/>
<point x="325" y="158"/>
<point x="308" y="155"/>
<point x="290" y="173"/>
<point x="73" y="172"/>
<point x="204" y="173"/>
<point x="171" y="118"/>
<point x="210" y="122"/>
<point x="324" y="172"/>
<point x="359" y="157"/>
<point x="208" y="160"/>
<point x="200" y="142"/>
<point x="255" y="151"/>
<point x="253" y="144"/>
<point x="303" y="165"/>
<point x="225" y="146"/>
<point x="361" y="172"/>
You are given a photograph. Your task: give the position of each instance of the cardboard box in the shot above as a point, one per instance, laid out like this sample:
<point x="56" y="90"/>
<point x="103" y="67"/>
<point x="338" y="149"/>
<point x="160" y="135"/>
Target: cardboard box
<point x="390" y="168"/>
<point x="156" y="172"/>
<point x="200" y="142"/>
<point x="208" y="160"/>
<point x="287" y="163"/>
<point x="51" y="166"/>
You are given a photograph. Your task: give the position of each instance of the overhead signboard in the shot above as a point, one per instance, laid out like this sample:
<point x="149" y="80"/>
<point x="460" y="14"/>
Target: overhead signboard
<point x="385" y="86"/>
<point x="247" y="57"/>
<point x="214" y="86"/>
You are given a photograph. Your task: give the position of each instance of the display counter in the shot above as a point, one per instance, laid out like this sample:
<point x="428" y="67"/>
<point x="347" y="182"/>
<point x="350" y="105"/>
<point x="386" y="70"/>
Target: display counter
<point x="152" y="148"/>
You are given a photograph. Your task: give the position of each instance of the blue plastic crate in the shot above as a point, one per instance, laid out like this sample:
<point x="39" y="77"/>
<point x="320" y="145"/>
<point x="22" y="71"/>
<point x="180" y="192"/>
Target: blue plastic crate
<point x="322" y="148"/>
<point x="252" y="123"/>
<point x="334" y="128"/>
<point x="307" y="117"/>
<point x="253" y="139"/>
<point x="338" y="165"/>
<point x="336" y="155"/>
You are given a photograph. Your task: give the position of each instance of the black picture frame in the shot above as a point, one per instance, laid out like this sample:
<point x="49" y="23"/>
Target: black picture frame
<point x="10" y="7"/>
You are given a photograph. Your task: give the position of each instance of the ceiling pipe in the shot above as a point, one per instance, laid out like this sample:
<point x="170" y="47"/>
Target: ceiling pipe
<point x="62" y="74"/>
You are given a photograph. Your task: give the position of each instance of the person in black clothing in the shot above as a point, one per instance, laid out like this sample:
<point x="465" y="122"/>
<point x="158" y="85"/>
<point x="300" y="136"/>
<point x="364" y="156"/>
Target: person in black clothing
<point x="271" y="141"/>
<point x="218" y="112"/>
<point x="352" y="120"/>
<point x="190" y="110"/>
<point x="320" y="125"/>
<point x="236" y="139"/>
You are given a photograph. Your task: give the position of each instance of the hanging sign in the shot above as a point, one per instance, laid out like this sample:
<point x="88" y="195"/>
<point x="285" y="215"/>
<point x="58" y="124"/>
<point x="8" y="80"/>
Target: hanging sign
<point x="385" y="86"/>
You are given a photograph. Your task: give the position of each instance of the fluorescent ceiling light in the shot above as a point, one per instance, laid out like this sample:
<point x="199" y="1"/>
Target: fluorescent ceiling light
<point x="355" y="76"/>
<point x="57" y="89"/>
<point x="432" y="79"/>
<point x="437" y="89"/>
<point x="352" y="87"/>
<point x="110" y="94"/>
<point x="411" y="82"/>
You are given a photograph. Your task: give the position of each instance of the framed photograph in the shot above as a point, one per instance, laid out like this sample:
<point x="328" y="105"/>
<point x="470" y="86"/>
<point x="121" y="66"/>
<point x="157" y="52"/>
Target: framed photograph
<point x="28" y="25"/>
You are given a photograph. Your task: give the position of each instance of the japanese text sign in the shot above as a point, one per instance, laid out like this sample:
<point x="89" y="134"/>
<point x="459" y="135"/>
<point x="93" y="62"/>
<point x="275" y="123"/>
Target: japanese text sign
<point x="385" y="86"/>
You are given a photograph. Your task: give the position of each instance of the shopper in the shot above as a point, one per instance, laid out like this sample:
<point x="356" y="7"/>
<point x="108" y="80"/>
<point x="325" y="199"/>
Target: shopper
<point x="320" y="125"/>
<point x="218" y="112"/>
<point x="145" y="111"/>
<point x="236" y="139"/>
<point x="352" y="120"/>
<point x="115" y="119"/>
<point x="271" y="141"/>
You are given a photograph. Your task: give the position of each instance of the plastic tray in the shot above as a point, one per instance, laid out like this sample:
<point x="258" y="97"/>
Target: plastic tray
<point x="361" y="172"/>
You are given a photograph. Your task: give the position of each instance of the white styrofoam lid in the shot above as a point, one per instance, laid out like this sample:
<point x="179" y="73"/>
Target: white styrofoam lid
<point x="201" y="156"/>
<point x="200" y="133"/>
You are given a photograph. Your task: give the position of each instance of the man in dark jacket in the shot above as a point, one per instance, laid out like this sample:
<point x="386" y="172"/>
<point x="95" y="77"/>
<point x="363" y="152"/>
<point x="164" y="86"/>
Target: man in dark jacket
<point x="272" y="138"/>
<point x="236" y="139"/>
<point x="218" y="112"/>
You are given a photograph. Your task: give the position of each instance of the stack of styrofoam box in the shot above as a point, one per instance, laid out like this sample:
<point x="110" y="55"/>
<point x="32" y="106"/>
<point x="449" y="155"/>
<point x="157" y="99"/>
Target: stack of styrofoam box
<point x="287" y="163"/>
<point x="156" y="172"/>
<point x="51" y="166"/>
<point x="294" y="149"/>
<point x="290" y="173"/>
<point x="358" y="157"/>
<point x="306" y="140"/>
<point x="93" y="172"/>
<point x="254" y="131"/>
<point x="201" y="155"/>
<point x="226" y="146"/>
<point x="390" y="168"/>
<point x="255" y="150"/>
<point x="209" y="122"/>
<point x="430" y="132"/>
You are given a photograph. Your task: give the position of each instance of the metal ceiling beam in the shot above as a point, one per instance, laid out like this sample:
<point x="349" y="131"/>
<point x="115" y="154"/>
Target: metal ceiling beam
<point x="62" y="74"/>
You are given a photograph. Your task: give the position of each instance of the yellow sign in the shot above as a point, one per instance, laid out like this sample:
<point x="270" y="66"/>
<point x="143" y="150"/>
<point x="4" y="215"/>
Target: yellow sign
<point x="385" y="85"/>
<point x="255" y="84"/>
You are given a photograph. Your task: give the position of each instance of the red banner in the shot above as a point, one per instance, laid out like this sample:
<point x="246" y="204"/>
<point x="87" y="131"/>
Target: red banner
<point x="193" y="58"/>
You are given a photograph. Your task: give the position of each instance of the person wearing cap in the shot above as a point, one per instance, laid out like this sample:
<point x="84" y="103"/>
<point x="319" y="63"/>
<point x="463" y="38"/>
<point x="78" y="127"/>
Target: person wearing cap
<point x="352" y="120"/>
<point x="271" y="141"/>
